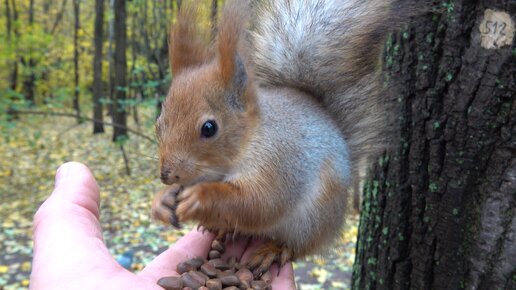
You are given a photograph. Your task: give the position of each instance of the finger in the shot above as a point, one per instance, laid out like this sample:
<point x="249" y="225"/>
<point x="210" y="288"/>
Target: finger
<point x="249" y="251"/>
<point x="74" y="186"/>
<point x="285" y="279"/>
<point x="193" y="244"/>
<point x="235" y="248"/>
<point x="67" y="231"/>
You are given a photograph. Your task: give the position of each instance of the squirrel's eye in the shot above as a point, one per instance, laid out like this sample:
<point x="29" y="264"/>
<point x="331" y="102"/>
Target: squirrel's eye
<point x="209" y="129"/>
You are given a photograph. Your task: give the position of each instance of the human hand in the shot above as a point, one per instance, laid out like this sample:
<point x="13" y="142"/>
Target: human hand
<point x="69" y="251"/>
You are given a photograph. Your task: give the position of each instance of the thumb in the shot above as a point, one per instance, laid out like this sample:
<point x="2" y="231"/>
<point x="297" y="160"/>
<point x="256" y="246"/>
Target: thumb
<point x="66" y="228"/>
<point x="75" y="190"/>
<point x="75" y="185"/>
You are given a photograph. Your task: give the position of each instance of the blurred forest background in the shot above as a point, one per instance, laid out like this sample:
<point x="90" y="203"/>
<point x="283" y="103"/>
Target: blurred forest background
<point x="83" y="80"/>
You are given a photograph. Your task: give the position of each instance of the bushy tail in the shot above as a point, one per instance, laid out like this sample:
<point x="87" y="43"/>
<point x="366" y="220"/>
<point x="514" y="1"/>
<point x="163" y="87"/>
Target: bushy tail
<point x="332" y="50"/>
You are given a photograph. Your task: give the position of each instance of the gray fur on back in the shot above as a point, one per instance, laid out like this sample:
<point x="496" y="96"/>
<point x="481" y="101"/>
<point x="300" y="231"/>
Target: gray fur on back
<point x="332" y="51"/>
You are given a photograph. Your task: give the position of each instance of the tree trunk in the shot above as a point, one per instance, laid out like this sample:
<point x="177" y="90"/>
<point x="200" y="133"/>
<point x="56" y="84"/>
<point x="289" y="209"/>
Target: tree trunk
<point x="8" y="21"/>
<point x="213" y="17"/>
<point x="356" y="196"/>
<point x="98" y="92"/>
<point x="9" y="28"/>
<point x="59" y="17"/>
<point x="111" y="59"/>
<point x="135" y="91"/>
<point x="76" y="14"/>
<point x="14" y="72"/>
<point x="29" y="84"/>
<point x="155" y="46"/>
<point x="439" y="208"/>
<point x="120" y="85"/>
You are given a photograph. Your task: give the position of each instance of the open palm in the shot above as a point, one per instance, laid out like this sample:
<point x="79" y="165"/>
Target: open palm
<point x="69" y="251"/>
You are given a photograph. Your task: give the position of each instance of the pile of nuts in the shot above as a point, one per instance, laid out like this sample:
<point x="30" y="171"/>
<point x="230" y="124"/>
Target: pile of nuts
<point x="215" y="274"/>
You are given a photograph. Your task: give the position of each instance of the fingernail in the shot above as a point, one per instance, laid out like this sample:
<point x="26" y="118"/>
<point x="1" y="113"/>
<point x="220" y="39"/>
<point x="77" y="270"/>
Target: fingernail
<point x="62" y="173"/>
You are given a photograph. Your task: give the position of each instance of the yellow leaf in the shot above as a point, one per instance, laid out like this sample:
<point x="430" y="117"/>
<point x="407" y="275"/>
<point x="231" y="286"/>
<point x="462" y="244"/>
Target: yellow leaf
<point x="338" y="285"/>
<point x="171" y="238"/>
<point x="319" y="261"/>
<point x="137" y="266"/>
<point x="26" y="266"/>
<point x="4" y="269"/>
<point x="25" y="282"/>
<point x="5" y="173"/>
<point x="320" y="274"/>
<point x="8" y="224"/>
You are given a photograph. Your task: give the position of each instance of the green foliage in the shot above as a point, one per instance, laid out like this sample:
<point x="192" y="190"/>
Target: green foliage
<point x="449" y="6"/>
<point x="433" y="187"/>
<point x="48" y="43"/>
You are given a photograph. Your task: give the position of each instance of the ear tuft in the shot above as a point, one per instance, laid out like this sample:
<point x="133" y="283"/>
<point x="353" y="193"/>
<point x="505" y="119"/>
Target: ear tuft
<point x="187" y="42"/>
<point x="231" y="29"/>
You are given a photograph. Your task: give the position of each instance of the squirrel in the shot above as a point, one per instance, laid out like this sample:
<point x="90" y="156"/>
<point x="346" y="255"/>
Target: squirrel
<point x="263" y="129"/>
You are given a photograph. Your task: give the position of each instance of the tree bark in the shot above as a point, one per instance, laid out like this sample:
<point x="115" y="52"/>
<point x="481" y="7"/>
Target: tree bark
<point x="120" y="59"/>
<point x="9" y="28"/>
<point x="76" y="14"/>
<point x="8" y="20"/>
<point x="14" y="71"/>
<point x="213" y="17"/>
<point x="439" y="207"/>
<point x="59" y="17"/>
<point x="356" y="196"/>
<point x="98" y="92"/>
<point x="29" y="83"/>
<point x="135" y="89"/>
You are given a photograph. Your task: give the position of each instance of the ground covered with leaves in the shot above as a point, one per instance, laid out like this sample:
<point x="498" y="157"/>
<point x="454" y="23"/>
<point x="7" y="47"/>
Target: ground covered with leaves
<point x="32" y="149"/>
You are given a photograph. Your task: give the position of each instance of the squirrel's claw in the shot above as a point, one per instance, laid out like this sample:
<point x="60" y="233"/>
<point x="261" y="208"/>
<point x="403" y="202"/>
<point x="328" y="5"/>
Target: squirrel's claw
<point x="265" y="264"/>
<point x="165" y="204"/>
<point x="255" y="261"/>
<point x="266" y="255"/>
<point x="285" y="256"/>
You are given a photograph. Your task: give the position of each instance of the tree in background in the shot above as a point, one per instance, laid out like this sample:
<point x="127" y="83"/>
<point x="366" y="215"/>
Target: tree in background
<point x="50" y="57"/>
<point x="98" y="92"/>
<point x="213" y="15"/>
<point x="29" y="83"/>
<point x="150" y="39"/>
<point x="10" y="18"/>
<point x="77" y="91"/>
<point x="13" y="64"/>
<point x="120" y="81"/>
<point x="439" y="206"/>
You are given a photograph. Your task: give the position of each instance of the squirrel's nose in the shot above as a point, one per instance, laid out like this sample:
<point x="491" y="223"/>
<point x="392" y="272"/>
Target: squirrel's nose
<point x="164" y="176"/>
<point x="167" y="179"/>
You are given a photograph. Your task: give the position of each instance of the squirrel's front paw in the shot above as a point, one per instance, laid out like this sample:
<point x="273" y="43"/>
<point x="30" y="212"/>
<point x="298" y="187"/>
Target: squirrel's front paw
<point x="165" y="204"/>
<point x="190" y="204"/>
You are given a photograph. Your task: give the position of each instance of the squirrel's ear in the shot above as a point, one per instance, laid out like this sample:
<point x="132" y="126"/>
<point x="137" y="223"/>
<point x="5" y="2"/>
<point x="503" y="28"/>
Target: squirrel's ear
<point x="230" y="29"/>
<point x="236" y="86"/>
<point x="187" y="42"/>
<point x="232" y="68"/>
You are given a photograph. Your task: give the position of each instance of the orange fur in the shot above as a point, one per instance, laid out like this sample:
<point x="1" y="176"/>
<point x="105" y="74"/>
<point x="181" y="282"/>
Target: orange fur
<point x="330" y="189"/>
<point x="200" y="86"/>
<point x="235" y="209"/>
<point x="230" y="31"/>
<point x="187" y="42"/>
<point x="281" y="161"/>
